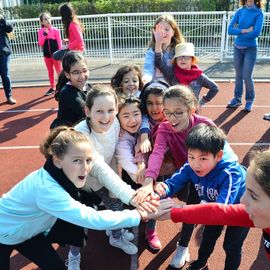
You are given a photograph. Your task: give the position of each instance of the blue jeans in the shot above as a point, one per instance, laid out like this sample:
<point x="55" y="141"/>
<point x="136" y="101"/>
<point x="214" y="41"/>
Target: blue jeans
<point x="4" y="73"/>
<point x="244" y="62"/>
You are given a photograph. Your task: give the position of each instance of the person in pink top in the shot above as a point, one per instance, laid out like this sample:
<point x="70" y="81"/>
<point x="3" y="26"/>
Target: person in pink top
<point x="252" y="212"/>
<point x="73" y="31"/>
<point x="49" y="39"/>
<point x="179" y="109"/>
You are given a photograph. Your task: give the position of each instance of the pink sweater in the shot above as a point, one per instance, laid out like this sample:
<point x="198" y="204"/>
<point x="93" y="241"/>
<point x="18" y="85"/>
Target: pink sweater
<point x="166" y="138"/>
<point x="75" y="39"/>
<point x="53" y="33"/>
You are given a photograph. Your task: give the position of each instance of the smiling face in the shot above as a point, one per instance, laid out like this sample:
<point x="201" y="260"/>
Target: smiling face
<point x="130" y="118"/>
<point x="78" y="74"/>
<point x="102" y="113"/>
<point x="256" y="201"/>
<point x="76" y="163"/>
<point x="130" y="83"/>
<point x="203" y="163"/>
<point x="167" y="33"/>
<point x="154" y="107"/>
<point x="176" y="113"/>
<point x="184" y="62"/>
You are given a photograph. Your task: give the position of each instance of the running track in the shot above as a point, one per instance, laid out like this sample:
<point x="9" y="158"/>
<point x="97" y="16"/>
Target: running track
<point x="25" y="124"/>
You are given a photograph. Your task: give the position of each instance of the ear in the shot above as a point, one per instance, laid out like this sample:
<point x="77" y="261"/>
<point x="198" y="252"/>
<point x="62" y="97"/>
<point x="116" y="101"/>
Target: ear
<point x="219" y="155"/>
<point x="67" y="75"/>
<point x="57" y="162"/>
<point x="86" y="111"/>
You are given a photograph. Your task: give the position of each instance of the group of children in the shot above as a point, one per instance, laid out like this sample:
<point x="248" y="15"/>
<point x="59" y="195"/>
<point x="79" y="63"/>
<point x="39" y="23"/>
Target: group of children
<point x="134" y="142"/>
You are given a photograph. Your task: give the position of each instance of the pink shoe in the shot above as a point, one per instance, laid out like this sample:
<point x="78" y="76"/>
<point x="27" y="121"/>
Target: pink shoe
<point x="152" y="239"/>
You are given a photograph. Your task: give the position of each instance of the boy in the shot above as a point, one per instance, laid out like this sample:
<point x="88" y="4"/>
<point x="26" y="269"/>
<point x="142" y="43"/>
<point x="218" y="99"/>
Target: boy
<point x="218" y="177"/>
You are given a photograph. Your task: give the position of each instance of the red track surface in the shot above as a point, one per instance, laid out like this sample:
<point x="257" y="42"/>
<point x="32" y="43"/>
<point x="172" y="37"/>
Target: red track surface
<point x="26" y="123"/>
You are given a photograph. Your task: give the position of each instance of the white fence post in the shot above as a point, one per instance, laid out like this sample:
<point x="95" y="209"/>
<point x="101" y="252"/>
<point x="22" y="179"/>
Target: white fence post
<point x="110" y="38"/>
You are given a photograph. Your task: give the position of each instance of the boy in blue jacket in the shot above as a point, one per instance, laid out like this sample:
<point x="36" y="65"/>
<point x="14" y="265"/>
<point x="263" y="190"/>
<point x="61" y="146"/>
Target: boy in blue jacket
<point x="214" y="170"/>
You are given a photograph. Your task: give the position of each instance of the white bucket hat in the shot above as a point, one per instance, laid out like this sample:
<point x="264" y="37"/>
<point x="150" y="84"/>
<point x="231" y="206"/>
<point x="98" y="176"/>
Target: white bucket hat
<point x="184" y="49"/>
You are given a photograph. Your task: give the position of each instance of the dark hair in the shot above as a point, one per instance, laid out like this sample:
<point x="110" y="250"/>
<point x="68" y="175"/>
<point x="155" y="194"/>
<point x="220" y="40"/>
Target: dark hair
<point x="59" y="139"/>
<point x="117" y="78"/>
<point x="157" y="88"/>
<point x="206" y="138"/>
<point x="70" y="58"/>
<point x="258" y="3"/>
<point x="260" y="168"/>
<point x="184" y="94"/>
<point x="68" y="15"/>
<point x="126" y="100"/>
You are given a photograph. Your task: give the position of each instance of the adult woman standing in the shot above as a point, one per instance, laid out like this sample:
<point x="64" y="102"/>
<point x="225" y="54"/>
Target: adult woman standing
<point x="5" y="52"/>
<point x="246" y="25"/>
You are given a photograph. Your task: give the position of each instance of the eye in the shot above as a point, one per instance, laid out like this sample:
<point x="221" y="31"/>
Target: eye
<point x="77" y="160"/>
<point x="89" y="161"/>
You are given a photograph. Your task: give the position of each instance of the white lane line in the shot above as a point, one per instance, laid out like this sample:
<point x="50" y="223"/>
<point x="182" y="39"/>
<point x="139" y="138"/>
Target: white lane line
<point x="18" y="147"/>
<point x="32" y="110"/>
<point x="231" y="143"/>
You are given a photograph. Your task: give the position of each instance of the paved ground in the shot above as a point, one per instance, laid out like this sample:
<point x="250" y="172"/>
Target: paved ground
<point x="34" y="73"/>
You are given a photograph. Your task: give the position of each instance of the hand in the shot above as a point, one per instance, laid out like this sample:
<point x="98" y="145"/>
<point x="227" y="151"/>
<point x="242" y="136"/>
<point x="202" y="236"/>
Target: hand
<point x="164" y="207"/>
<point x="247" y="30"/>
<point x="146" y="146"/>
<point x="167" y="216"/>
<point x="149" y="205"/>
<point x="160" y="189"/>
<point x="144" y="191"/>
<point x="158" y="34"/>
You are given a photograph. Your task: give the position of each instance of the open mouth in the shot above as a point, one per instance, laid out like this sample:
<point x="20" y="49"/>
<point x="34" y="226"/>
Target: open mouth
<point x="82" y="177"/>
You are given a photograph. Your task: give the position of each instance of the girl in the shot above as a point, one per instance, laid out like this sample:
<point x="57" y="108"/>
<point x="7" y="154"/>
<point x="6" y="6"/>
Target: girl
<point x="73" y="31"/>
<point x="246" y="25"/>
<point x="171" y="37"/>
<point x="179" y="107"/>
<point x="53" y="192"/>
<point x="127" y="80"/>
<point x="71" y="90"/>
<point x="50" y="40"/>
<point x="184" y="70"/>
<point x="102" y="127"/>
<point x="130" y="118"/>
<point x="253" y="212"/>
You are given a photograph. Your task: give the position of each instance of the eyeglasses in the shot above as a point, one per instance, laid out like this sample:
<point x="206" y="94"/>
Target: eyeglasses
<point x="77" y="73"/>
<point x="176" y="114"/>
<point x="183" y="57"/>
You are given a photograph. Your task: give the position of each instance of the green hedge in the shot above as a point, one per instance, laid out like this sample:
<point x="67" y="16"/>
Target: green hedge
<point x="84" y="7"/>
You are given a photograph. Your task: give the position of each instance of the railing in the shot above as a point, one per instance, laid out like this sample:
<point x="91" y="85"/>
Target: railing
<point x="113" y="37"/>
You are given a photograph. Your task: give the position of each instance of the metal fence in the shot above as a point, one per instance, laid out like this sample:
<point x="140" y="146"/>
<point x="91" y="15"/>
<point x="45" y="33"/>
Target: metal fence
<point x="113" y="37"/>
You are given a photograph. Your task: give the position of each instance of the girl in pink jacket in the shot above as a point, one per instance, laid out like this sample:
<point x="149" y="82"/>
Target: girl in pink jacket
<point x="73" y="29"/>
<point x="50" y="40"/>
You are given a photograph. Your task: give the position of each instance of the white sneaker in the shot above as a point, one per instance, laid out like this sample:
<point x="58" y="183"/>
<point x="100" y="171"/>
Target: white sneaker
<point x="123" y="244"/>
<point x="73" y="262"/>
<point x="126" y="234"/>
<point x="180" y="257"/>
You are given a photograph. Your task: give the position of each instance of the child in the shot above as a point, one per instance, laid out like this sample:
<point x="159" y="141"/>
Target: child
<point x="127" y="80"/>
<point x="184" y="69"/>
<point x="130" y="118"/>
<point x="253" y="212"/>
<point x="50" y="40"/>
<point x="218" y="177"/>
<point x="246" y="25"/>
<point x="171" y="37"/>
<point x="72" y="82"/>
<point x="102" y="127"/>
<point x="179" y="107"/>
<point x="29" y="210"/>
<point x="73" y="31"/>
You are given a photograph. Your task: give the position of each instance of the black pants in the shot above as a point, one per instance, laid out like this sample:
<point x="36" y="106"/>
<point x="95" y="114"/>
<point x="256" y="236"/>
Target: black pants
<point x="37" y="249"/>
<point x="233" y="241"/>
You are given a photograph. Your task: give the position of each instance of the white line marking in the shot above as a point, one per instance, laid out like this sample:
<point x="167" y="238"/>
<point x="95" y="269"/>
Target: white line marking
<point x="231" y="143"/>
<point x="32" y="110"/>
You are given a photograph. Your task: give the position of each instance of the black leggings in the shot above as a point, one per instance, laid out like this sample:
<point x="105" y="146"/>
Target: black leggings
<point x="37" y="249"/>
